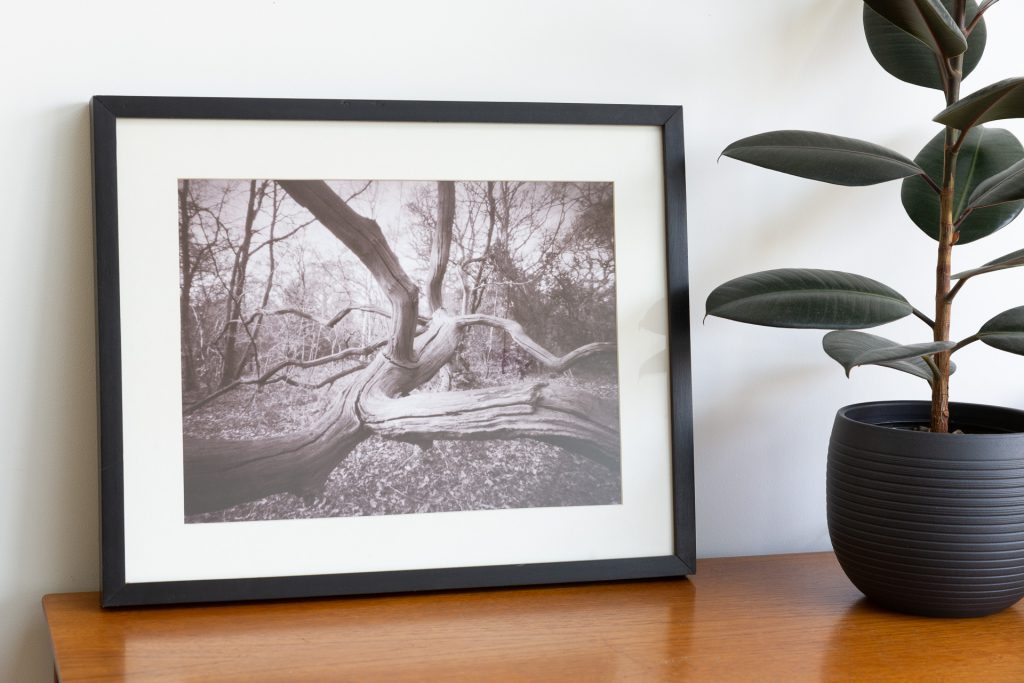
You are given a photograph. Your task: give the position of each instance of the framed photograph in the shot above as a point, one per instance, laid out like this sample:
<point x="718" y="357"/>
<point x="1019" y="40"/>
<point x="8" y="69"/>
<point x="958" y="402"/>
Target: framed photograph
<point x="354" y="347"/>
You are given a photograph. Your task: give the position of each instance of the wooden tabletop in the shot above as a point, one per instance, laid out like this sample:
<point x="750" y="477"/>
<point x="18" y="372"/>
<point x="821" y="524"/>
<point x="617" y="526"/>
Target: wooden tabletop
<point x="778" y="618"/>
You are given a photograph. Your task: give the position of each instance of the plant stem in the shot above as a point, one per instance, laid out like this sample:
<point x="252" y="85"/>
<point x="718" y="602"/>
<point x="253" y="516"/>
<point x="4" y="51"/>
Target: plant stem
<point x="943" y="305"/>
<point x="964" y="342"/>
<point x="956" y="289"/>
<point x="977" y="17"/>
<point x="947" y="238"/>
<point x="927" y="321"/>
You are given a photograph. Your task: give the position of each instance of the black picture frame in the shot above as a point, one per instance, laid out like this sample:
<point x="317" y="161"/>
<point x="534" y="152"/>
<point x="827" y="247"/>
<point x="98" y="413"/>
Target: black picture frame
<point x="106" y="111"/>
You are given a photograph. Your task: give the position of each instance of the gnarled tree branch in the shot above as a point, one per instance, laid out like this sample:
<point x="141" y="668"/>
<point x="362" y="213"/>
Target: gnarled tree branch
<point x="268" y="376"/>
<point x="442" y="246"/>
<point x="535" y="350"/>
<point x="341" y="315"/>
<point x="366" y="240"/>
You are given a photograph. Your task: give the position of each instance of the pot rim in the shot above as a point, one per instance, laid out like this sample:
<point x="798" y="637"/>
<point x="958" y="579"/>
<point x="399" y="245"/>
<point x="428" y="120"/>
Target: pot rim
<point x="889" y="412"/>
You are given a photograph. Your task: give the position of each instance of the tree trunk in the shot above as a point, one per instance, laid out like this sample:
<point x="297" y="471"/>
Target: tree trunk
<point x="442" y="245"/>
<point x="220" y="473"/>
<point x="553" y="414"/>
<point x="234" y="357"/>
<point x="188" y="369"/>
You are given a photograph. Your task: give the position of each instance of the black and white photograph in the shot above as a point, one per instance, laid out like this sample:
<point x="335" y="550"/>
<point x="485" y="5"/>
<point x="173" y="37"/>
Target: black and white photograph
<point x="390" y="347"/>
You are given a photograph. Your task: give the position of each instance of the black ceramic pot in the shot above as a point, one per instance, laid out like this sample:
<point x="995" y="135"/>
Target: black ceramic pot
<point x="924" y="523"/>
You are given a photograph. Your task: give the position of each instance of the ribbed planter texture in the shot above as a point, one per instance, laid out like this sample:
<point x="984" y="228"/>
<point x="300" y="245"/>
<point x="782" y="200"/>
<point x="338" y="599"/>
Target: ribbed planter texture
<point x="929" y="524"/>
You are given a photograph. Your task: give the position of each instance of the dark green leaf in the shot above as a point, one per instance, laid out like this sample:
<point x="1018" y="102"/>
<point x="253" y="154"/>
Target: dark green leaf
<point x="899" y="352"/>
<point x="1005" y="331"/>
<point x="986" y="152"/>
<point x="851" y="349"/>
<point x="1001" y="188"/>
<point x="910" y="60"/>
<point x="926" y="20"/>
<point x="1011" y="260"/>
<point x="807" y="298"/>
<point x="1002" y="100"/>
<point x="819" y="156"/>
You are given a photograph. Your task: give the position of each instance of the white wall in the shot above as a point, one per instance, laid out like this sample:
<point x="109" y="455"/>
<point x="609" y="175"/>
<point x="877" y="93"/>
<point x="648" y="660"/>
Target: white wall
<point x="738" y="68"/>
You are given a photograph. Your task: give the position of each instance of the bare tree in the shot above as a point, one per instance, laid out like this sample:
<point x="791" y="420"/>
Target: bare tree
<point x="223" y="301"/>
<point x="186" y="211"/>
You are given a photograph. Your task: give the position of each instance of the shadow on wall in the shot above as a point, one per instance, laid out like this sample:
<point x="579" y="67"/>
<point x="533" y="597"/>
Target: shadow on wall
<point x="730" y="447"/>
<point x="808" y="218"/>
<point x="731" y="432"/>
<point x="54" y="490"/>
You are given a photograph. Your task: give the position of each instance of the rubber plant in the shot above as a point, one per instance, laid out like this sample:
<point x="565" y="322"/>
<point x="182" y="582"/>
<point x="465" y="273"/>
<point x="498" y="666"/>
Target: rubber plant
<point x="965" y="184"/>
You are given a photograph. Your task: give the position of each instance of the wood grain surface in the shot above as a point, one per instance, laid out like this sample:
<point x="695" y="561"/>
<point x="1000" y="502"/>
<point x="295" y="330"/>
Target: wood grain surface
<point x="777" y="618"/>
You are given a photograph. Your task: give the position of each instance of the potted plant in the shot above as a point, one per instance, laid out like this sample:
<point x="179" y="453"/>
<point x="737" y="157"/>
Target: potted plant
<point x="925" y="500"/>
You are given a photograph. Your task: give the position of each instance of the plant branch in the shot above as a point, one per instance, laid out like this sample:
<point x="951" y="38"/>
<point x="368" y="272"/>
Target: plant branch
<point x="931" y="183"/>
<point x="961" y="344"/>
<point x="936" y="373"/>
<point x="984" y="7"/>
<point x="927" y="321"/>
<point x="956" y="289"/>
<point x="961" y="137"/>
